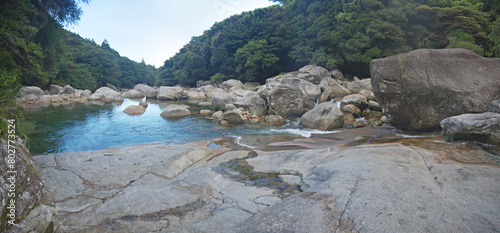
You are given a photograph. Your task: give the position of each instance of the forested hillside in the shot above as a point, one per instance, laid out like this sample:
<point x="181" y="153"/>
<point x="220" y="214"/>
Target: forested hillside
<point x="346" y="34"/>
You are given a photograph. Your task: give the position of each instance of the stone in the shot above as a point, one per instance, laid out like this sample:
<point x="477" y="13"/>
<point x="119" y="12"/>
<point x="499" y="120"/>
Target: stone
<point x="384" y="120"/>
<point x="205" y="112"/>
<point x="286" y="101"/>
<point x="238" y="94"/>
<point x="324" y="116"/>
<point x="263" y="90"/>
<point x="229" y="107"/>
<point x="232" y="117"/>
<point x="356" y="100"/>
<point x="31" y="90"/>
<point x="219" y="100"/>
<point x="251" y="86"/>
<point x="352" y="109"/>
<point x="494" y="106"/>
<point x="148" y="91"/>
<point x="315" y="73"/>
<point x="170" y="93"/>
<point x="56" y="99"/>
<point x="175" y="111"/>
<point x="217" y="114"/>
<point x="54" y="89"/>
<point x="253" y="103"/>
<point x="372" y="105"/>
<point x="228" y="84"/>
<point x="348" y="117"/>
<point x="196" y="95"/>
<point x="337" y="90"/>
<point x="337" y="75"/>
<point x="357" y="86"/>
<point x="106" y="92"/>
<point x="67" y="90"/>
<point x="420" y="88"/>
<point x="326" y="95"/>
<point x="482" y="127"/>
<point x="135" y="94"/>
<point x="373" y="116"/>
<point x="368" y="94"/>
<point x="309" y="90"/>
<point x="275" y="120"/>
<point x="134" y="110"/>
<point x="86" y="93"/>
<point x="143" y="103"/>
<point x="46" y="99"/>
<point x="205" y="104"/>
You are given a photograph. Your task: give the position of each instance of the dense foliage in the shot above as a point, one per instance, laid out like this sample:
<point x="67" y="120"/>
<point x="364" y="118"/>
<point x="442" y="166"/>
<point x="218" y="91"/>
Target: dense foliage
<point x="346" y="34"/>
<point x="36" y="50"/>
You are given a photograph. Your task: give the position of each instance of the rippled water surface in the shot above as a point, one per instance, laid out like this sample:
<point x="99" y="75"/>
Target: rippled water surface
<point x="86" y="126"/>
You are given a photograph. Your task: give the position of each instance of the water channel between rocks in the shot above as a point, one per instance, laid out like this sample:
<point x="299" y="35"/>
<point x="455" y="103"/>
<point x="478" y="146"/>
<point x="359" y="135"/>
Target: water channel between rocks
<point x="83" y="127"/>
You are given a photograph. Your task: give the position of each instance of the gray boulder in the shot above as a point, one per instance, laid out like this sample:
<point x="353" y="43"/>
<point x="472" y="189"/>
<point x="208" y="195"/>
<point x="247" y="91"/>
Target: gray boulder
<point x="219" y="100"/>
<point x="484" y="127"/>
<point x="420" y="88"/>
<point x="337" y="75"/>
<point x="238" y="95"/>
<point x="263" y="90"/>
<point x="148" y="91"/>
<point x="31" y="90"/>
<point x="286" y="101"/>
<point x="313" y="74"/>
<point x="228" y="84"/>
<point x="253" y="103"/>
<point x="494" y="106"/>
<point x="133" y="94"/>
<point x="337" y="90"/>
<point x="67" y="90"/>
<point x="251" y="86"/>
<point x="55" y="89"/>
<point x="86" y="93"/>
<point x="106" y="93"/>
<point x="324" y="116"/>
<point x="275" y="120"/>
<point x="309" y="90"/>
<point x="175" y="111"/>
<point x="143" y="103"/>
<point x="356" y="100"/>
<point x="170" y="93"/>
<point x="196" y="95"/>
<point x="357" y="86"/>
<point x="134" y="110"/>
<point x="232" y="117"/>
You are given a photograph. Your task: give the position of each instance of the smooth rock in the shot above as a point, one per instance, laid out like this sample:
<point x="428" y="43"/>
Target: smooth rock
<point x="55" y="89"/>
<point x="134" y="110"/>
<point x="133" y="94"/>
<point x="352" y="109"/>
<point x="143" y="103"/>
<point x="232" y="117"/>
<point x="106" y="92"/>
<point x="31" y="90"/>
<point x="228" y="84"/>
<point x="315" y="73"/>
<point x="309" y="90"/>
<point x="148" y="91"/>
<point x="483" y="127"/>
<point x="275" y="120"/>
<point x="355" y="99"/>
<point x="374" y="106"/>
<point x="175" y="111"/>
<point x="196" y="95"/>
<point x="251" y="86"/>
<point x="170" y="93"/>
<point x="356" y="86"/>
<point x="421" y="88"/>
<point x="253" y="103"/>
<point x="373" y="116"/>
<point x="219" y="100"/>
<point x="324" y="116"/>
<point x="205" y="112"/>
<point x="494" y="106"/>
<point x="67" y="90"/>
<point x="286" y="101"/>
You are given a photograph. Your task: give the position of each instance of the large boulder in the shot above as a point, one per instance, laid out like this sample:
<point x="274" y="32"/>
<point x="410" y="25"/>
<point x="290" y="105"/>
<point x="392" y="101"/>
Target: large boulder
<point x="314" y="73"/>
<point x="420" y="88"/>
<point x="232" y="117"/>
<point x="196" y="95"/>
<point x="357" y="86"/>
<point x="219" y="100"/>
<point x="253" y="103"/>
<point x="134" y="110"/>
<point x="324" y="116"/>
<point x="170" y="93"/>
<point x="67" y="90"/>
<point x="148" y="91"/>
<point x="275" y="120"/>
<point x="228" y="84"/>
<point x="176" y="111"/>
<point x="106" y="93"/>
<point x="55" y="89"/>
<point x="133" y="94"/>
<point x="31" y="90"/>
<point x="286" y="101"/>
<point x="494" y="106"/>
<point x="335" y="88"/>
<point x="238" y="95"/>
<point x="309" y="90"/>
<point x="357" y="100"/>
<point x="484" y="127"/>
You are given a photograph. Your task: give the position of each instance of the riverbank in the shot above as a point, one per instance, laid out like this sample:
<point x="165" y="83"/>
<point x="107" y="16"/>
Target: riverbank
<point x="375" y="179"/>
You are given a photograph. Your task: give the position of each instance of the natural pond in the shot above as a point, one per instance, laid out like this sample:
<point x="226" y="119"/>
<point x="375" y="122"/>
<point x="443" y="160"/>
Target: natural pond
<point x="94" y="126"/>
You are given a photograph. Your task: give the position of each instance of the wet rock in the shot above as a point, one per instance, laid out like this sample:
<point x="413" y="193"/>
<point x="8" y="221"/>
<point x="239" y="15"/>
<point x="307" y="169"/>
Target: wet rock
<point x="325" y="116"/>
<point x="175" y="111"/>
<point x="352" y="109"/>
<point x="275" y="120"/>
<point x="286" y="101"/>
<point x="134" y="110"/>
<point x="373" y="116"/>
<point x="133" y="94"/>
<point x="420" y="88"/>
<point x="374" y="106"/>
<point x="484" y="127"/>
<point x="348" y="117"/>
<point x="170" y="93"/>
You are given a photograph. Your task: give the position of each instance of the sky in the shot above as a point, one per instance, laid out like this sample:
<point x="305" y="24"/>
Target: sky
<point x="154" y="30"/>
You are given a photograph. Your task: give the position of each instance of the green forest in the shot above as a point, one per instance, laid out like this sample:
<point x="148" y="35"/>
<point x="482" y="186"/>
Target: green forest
<point x="344" y="34"/>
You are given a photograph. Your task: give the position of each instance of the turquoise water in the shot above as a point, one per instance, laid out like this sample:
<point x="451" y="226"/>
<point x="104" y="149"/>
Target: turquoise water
<point x="82" y="127"/>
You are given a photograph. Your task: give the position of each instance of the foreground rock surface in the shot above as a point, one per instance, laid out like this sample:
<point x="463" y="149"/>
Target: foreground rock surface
<point x="183" y="188"/>
<point x="421" y="88"/>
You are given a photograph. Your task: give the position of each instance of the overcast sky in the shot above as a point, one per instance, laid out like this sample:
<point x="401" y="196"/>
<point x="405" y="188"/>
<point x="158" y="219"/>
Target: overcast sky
<point x="154" y="29"/>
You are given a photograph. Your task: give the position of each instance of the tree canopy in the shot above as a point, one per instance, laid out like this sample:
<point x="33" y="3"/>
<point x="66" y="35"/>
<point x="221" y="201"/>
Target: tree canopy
<point x="344" y="34"/>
